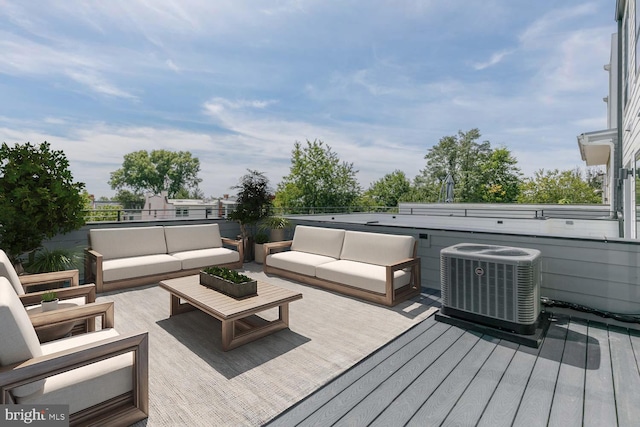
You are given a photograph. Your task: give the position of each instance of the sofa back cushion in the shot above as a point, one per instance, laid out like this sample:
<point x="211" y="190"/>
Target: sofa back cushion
<point x="129" y="242"/>
<point x="18" y="338"/>
<point x="317" y="240"/>
<point x="192" y="237"/>
<point x="376" y="248"/>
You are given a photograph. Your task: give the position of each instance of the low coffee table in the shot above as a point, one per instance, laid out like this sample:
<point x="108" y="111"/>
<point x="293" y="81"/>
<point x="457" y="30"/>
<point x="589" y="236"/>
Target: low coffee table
<point x="238" y="326"/>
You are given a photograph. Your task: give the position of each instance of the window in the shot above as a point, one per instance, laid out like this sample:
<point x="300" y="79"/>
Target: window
<point x="182" y="212"/>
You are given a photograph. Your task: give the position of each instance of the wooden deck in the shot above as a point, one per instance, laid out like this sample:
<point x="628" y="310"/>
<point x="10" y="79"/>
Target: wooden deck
<point x="584" y="373"/>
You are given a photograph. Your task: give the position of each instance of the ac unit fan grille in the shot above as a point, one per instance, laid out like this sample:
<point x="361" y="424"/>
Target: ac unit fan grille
<point x="493" y="289"/>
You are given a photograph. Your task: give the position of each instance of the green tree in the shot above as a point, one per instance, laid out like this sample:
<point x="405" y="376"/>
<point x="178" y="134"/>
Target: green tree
<point x="317" y="178"/>
<point x="38" y="197"/>
<point x="388" y="190"/>
<point x="501" y="177"/>
<point x="254" y="200"/>
<point x="160" y="170"/>
<point x="481" y="174"/>
<point x="129" y="200"/>
<point x="555" y="186"/>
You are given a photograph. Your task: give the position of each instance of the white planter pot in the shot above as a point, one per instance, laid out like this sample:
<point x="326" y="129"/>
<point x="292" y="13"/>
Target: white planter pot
<point x="50" y="305"/>
<point x="258" y="252"/>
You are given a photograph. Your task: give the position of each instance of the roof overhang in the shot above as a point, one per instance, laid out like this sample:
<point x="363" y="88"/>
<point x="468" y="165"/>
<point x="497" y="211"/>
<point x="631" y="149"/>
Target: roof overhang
<point x="596" y="147"/>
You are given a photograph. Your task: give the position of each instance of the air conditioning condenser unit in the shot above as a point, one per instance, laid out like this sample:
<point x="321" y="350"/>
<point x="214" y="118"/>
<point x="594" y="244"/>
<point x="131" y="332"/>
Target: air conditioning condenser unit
<point x="497" y="286"/>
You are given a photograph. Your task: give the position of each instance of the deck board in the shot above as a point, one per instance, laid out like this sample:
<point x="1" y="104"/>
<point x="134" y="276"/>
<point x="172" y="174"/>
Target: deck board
<point x="475" y="398"/>
<point x="441" y="402"/>
<point x="599" y="399"/>
<point x="538" y="396"/>
<point x="404" y="367"/>
<point x="625" y="377"/>
<point x="584" y="373"/>
<point x="568" y="399"/>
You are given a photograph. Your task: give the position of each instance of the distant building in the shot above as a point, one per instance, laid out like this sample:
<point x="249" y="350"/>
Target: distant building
<point x="159" y="206"/>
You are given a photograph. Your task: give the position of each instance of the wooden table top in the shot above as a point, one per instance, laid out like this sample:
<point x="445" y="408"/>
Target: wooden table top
<point x="223" y="306"/>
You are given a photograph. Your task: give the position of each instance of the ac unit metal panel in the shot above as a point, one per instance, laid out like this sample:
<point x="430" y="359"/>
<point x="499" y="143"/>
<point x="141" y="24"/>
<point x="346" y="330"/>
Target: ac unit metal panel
<point x="496" y="284"/>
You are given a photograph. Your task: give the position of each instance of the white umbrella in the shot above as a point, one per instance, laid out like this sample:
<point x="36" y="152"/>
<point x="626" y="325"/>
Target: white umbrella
<point x="449" y="183"/>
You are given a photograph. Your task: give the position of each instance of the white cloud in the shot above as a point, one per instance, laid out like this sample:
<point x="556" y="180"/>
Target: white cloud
<point x="493" y="60"/>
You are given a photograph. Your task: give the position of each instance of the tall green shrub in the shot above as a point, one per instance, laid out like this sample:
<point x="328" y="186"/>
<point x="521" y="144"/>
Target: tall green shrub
<point x="38" y="197"/>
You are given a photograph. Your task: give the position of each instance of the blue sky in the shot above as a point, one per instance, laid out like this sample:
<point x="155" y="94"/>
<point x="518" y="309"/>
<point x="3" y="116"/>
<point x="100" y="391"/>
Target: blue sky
<point x="237" y="82"/>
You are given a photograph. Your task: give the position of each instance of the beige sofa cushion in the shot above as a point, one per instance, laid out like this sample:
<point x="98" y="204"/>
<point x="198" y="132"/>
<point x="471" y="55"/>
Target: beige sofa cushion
<point x="126" y="268"/>
<point x="375" y="248"/>
<point x="7" y="270"/>
<point x="317" y="240"/>
<point x="206" y="257"/>
<point x="183" y="238"/>
<point x="297" y="262"/>
<point x="361" y="275"/>
<point x="114" y="243"/>
<point x="18" y="339"/>
<point x="88" y="385"/>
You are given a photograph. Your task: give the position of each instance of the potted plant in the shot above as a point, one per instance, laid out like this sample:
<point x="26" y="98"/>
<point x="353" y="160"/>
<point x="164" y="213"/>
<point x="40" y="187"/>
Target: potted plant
<point x="258" y="248"/>
<point x="229" y="282"/>
<point x="253" y="203"/>
<point x="276" y="226"/>
<point x="49" y="301"/>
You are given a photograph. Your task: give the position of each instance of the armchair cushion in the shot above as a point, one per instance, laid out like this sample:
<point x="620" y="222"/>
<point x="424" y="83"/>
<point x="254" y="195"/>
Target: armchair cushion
<point x="16" y="329"/>
<point x="88" y="385"/>
<point x="7" y="270"/>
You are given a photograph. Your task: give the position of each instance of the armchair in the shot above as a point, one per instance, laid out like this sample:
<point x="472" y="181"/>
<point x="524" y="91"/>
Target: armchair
<point x="101" y="375"/>
<point x="75" y="294"/>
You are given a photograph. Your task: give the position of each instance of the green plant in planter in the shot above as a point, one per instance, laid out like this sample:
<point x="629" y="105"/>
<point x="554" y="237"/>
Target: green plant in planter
<point x="49" y="296"/>
<point x="261" y="238"/>
<point x="46" y="260"/>
<point x="253" y="203"/>
<point x="276" y="226"/>
<point x="275" y="222"/>
<point x="227" y="274"/>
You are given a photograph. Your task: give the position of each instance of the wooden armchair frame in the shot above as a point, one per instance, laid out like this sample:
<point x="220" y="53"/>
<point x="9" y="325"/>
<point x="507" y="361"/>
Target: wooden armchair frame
<point x="73" y="291"/>
<point x="122" y="410"/>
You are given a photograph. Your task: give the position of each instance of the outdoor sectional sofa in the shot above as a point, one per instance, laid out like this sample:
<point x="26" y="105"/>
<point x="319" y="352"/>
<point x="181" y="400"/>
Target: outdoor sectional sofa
<point x="126" y="257"/>
<point x="382" y="268"/>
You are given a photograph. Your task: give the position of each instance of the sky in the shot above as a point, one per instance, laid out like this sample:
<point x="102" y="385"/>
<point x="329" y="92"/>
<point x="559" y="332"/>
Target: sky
<point x="238" y="82"/>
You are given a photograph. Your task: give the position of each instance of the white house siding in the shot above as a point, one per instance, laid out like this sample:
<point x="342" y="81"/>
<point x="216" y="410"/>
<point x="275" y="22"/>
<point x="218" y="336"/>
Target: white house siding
<point x="630" y="109"/>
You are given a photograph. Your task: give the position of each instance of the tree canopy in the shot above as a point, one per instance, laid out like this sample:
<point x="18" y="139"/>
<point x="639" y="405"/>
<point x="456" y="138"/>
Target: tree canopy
<point x="317" y="178"/>
<point x="555" y="186"/>
<point x="38" y="197"/>
<point x="388" y="190"/>
<point x="480" y="173"/>
<point x="160" y="170"/>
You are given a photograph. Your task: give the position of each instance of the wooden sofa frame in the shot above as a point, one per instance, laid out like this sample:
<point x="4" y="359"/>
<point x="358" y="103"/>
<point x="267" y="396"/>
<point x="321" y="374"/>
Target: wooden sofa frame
<point x="391" y="296"/>
<point x="122" y="410"/>
<point x="91" y="256"/>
